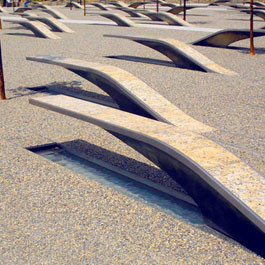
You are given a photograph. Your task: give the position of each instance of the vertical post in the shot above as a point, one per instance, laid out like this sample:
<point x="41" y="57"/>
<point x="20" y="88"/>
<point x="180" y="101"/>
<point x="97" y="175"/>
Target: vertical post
<point x="251" y="30"/>
<point x="184" y="11"/>
<point x="70" y="5"/>
<point x="144" y="4"/>
<point x="13" y="5"/>
<point x="2" y="82"/>
<point x="157" y="9"/>
<point x="180" y="3"/>
<point x="84" y="2"/>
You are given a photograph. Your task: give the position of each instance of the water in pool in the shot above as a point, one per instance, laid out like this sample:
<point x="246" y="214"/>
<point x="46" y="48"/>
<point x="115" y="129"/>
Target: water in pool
<point x="131" y="188"/>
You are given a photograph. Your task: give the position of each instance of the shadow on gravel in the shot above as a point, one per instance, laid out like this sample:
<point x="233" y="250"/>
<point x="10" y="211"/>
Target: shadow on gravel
<point x="21" y="34"/>
<point x="141" y="60"/>
<point x="73" y="89"/>
<point x="148" y="61"/>
<point x="246" y="50"/>
<point x="138" y="168"/>
<point x="200" y="23"/>
<point x="243" y="19"/>
<point x="25" y="91"/>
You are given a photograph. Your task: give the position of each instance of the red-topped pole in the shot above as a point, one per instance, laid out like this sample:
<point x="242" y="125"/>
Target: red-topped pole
<point x="157" y="9"/>
<point x="84" y="7"/>
<point x="251" y="30"/>
<point x="184" y="13"/>
<point x="2" y="82"/>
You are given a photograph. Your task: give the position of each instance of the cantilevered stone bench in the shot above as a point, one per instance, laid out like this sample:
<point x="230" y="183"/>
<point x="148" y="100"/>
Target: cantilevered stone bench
<point x="137" y="4"/>
<point x="180" y="53"/>
<point x="258" y="13"/>
<point x="152" y="15"/>
<point x="130" y="93"/>
<point x="50" y="11"/>
<point x="178" y="9"/>
<point x="219" y="2"/>
<point x="225" y="37"/>
<point x="120" y="20"/>
<point x="74" y="4"/>
<point x="256" y="3"/>
<point x="131" y="12"/>
<point x="100" y="6"/>
<point x="169" y="18"/>
<point x="229" y="193"/>
<point x="53" y="23"/>
<point x="133" y="5"/>
<point x="118" y="3"/>
<point x="22" y="9"/>
<point x="169" y="4"/>
<point x="36" y="27"/>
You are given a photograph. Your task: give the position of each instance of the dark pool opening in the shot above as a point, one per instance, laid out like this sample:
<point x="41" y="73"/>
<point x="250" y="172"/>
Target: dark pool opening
<point x="127" y="186"/>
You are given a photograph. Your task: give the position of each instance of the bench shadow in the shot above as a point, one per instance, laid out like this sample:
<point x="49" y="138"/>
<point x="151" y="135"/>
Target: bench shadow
<point x="22" y="34"/>
<point x="141" y="60"/>
<point x="243" y="50"/>
<point x="244" y="19"/>
<point x="73" y="89"/>
<point x="148" y="61"/>
<point x="144" y="171"/>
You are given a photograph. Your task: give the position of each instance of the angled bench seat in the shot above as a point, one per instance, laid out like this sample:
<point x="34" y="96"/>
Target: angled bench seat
<point x="53" y="23"/>
<point x="100" y="6"/>
<point x="118" y="3"/>
<point x="152" y="15"/>
<point x="258" y="13"/>
<point x="225" y="37"/>
<point x="219" y="2"/>
<point x="130" y="93"/>
<point x="74" y="4"/>
<point x="178" y="9"/>
<point x="180" y="53"/>
<point x="229" y="193"/>
<point x="169" y="4"/>
<point x="36" y="27"/>
<point x="137" y="4"/>
<point x="22" y="9"/>
<point x="256" y="3"/>
<point x="120" y="20"/>
<point x="49" y="10"/>
<point x="169" y="18"/>
<point x="132" y="12"/>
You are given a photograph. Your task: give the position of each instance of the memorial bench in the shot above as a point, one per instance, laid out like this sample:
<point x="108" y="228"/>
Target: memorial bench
<point x="229" y="194"/>
<point x="36" y="27"/>
<point x="180" y="53"/>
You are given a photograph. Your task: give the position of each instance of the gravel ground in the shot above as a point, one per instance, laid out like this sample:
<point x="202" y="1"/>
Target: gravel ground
<point x="52" y="216"/>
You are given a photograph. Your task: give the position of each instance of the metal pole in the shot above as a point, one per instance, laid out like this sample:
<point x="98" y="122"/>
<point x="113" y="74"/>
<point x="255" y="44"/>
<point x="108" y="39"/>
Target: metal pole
<point x="184" y="13"/>
<point x="70" y="5"/>
<point x="2" y="82"/>
<point x="251" y="30"/>
<point x="157" y="9"/>
<point x="84" y="2"/>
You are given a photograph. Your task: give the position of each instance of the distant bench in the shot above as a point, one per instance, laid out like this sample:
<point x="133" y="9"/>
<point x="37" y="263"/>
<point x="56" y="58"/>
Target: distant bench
<point x="36" y="27"/>
<point x="53" y="23"/>
<point x="225" y="37"/>
<point x="179" y="52"/>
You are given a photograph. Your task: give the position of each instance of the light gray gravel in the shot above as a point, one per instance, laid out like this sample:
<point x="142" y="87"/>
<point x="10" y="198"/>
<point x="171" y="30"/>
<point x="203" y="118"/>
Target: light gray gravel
<point x="49" y="215"/>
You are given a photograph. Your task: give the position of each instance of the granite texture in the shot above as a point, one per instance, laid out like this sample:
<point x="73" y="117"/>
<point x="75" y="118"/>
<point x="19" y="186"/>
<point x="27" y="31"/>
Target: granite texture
<point x="50" y="215"/>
